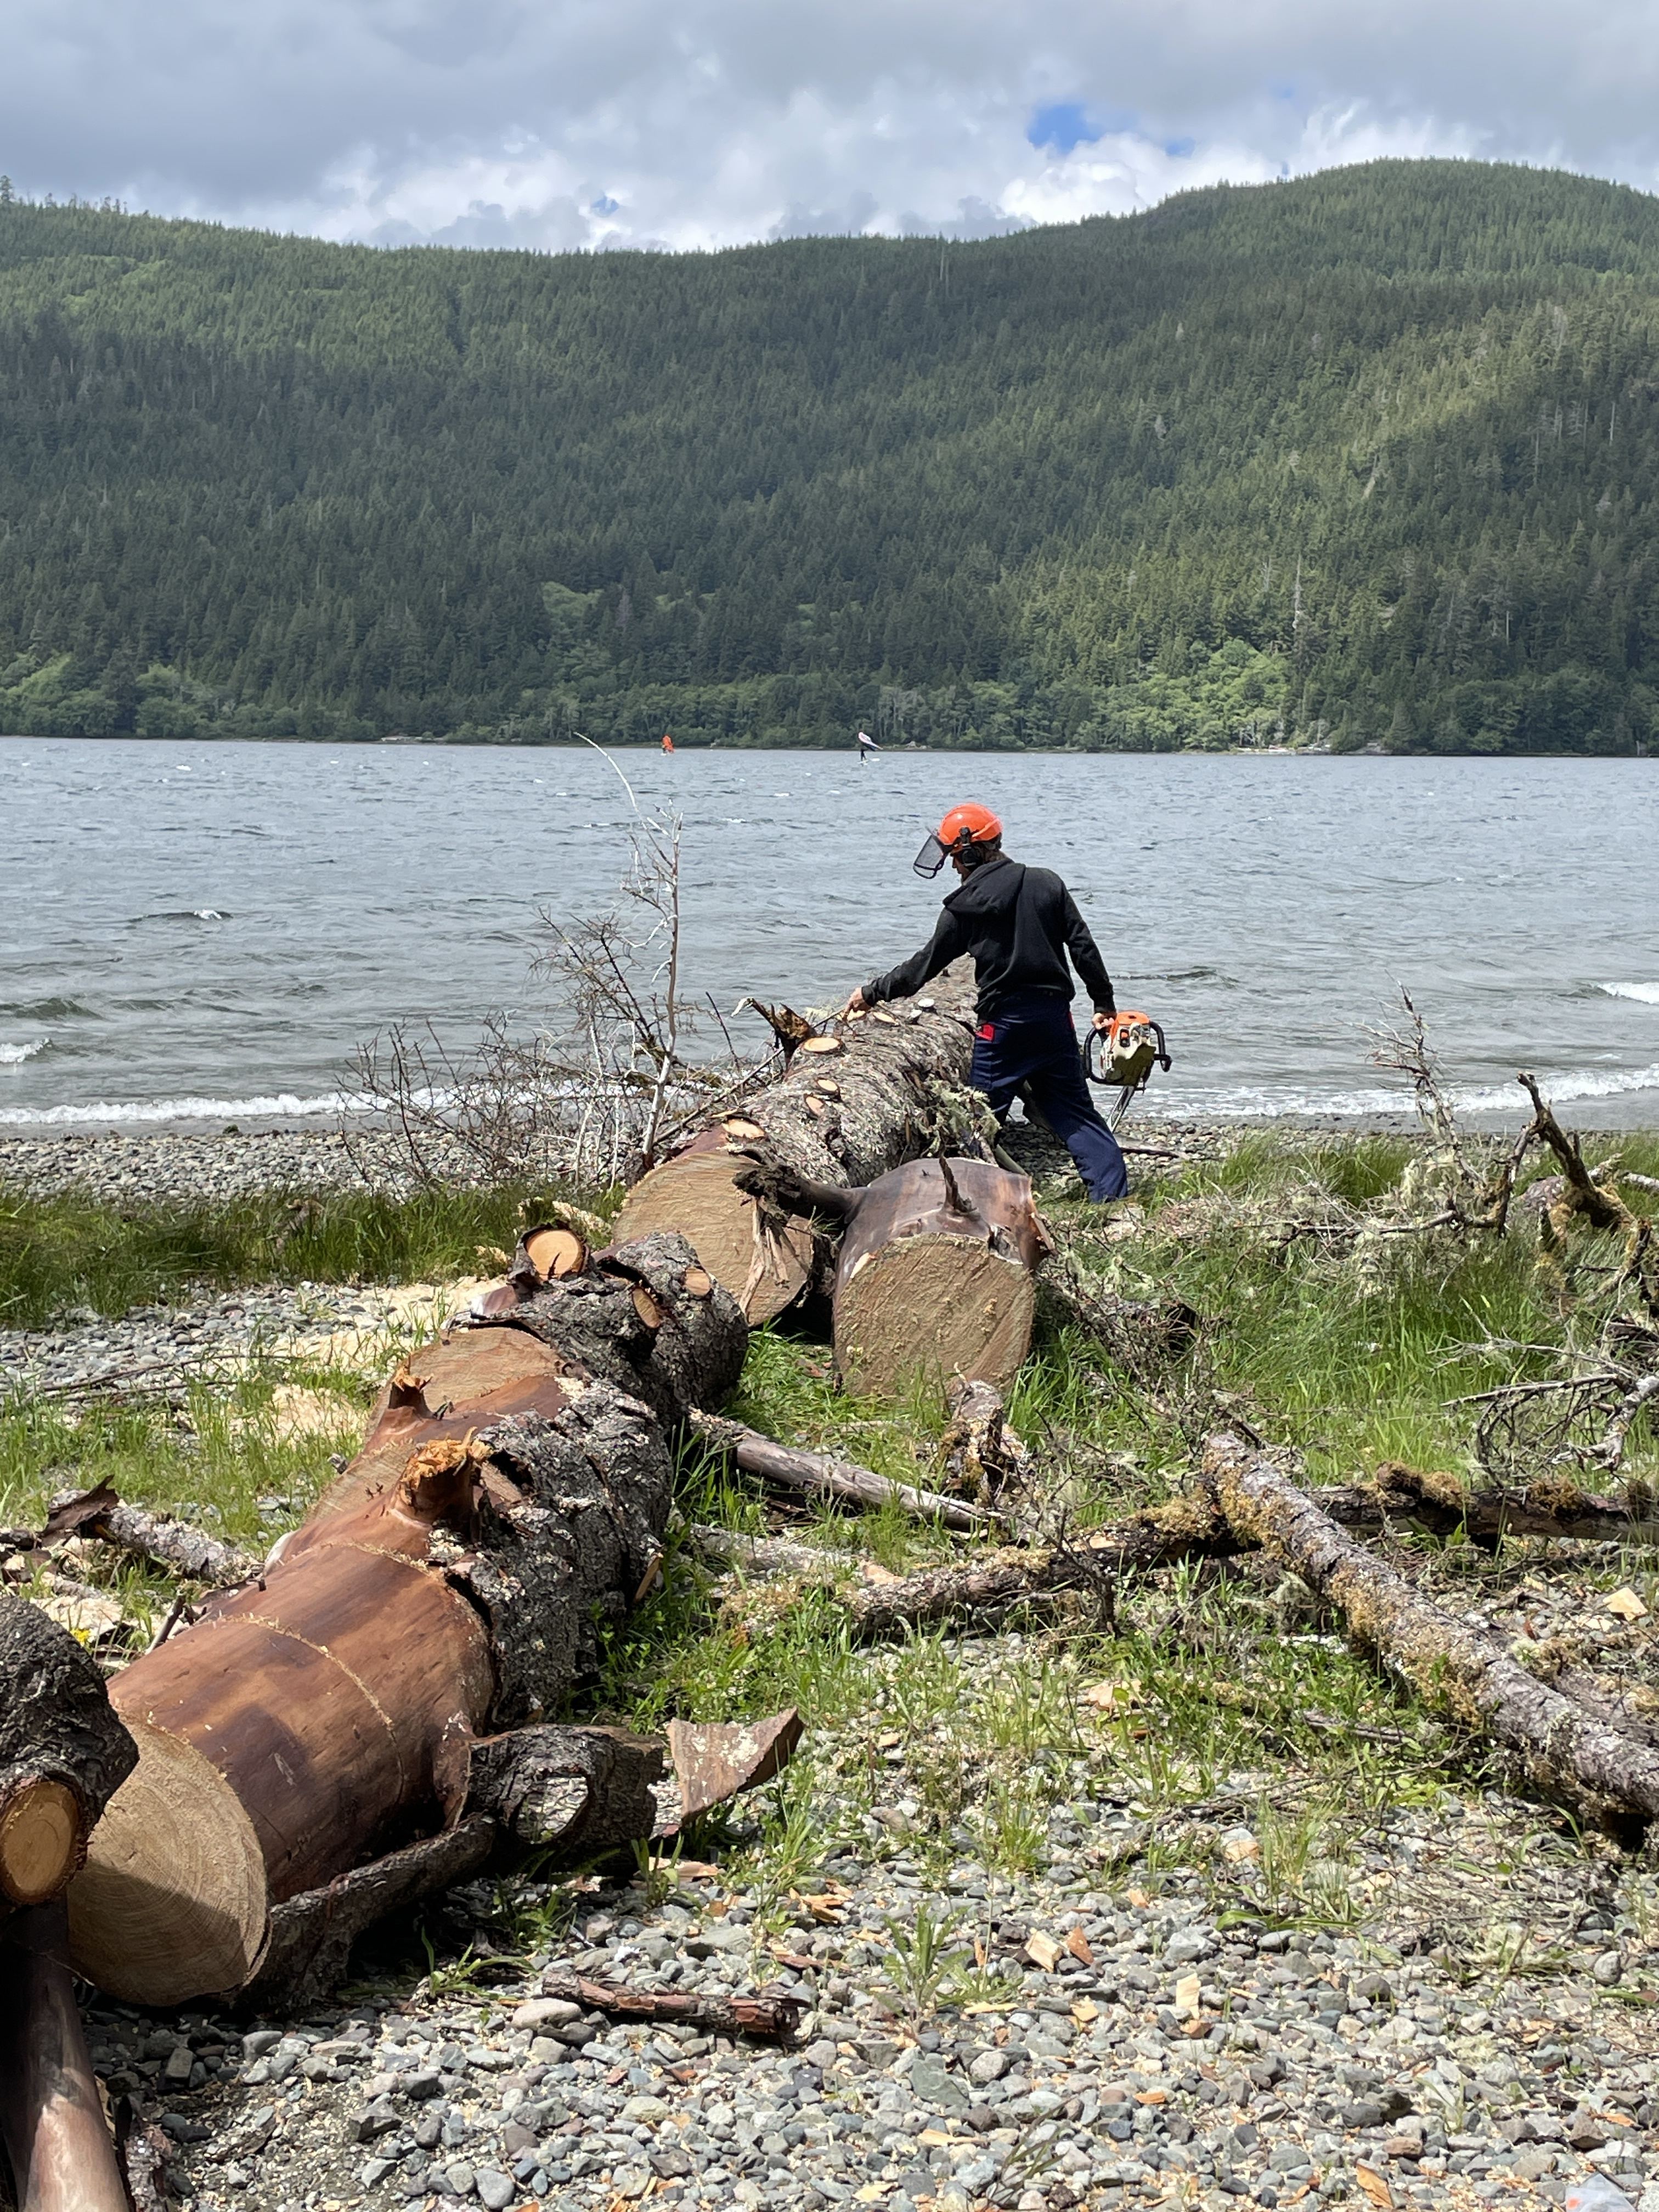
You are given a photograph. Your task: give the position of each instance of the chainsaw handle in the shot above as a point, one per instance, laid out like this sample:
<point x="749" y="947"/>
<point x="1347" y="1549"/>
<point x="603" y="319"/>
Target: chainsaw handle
<point x="1163" y="1059"/>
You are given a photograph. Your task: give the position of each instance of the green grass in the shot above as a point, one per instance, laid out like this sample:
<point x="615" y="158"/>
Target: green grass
<point x="1219" y="1688"/>
<point x="60" y="1252"/>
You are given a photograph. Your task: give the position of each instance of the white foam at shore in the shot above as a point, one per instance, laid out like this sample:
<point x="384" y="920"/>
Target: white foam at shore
<point x="14" y="1056"/>
<point x="282" y="1106"/>
<point x="1257" y="1104"/>
<point x="1646" y="994"/>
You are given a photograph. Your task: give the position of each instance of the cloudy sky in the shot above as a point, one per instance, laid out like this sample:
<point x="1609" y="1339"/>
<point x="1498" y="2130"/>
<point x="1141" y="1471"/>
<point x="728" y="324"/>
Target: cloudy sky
<point x="599" y="123"/>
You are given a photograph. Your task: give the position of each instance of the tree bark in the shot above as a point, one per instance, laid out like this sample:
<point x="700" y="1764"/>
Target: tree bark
<point x="62" y="1754"/>
<point x="1454" y="1669"/>
<point x="51" y="2119"/>
<point x="510" y="1499"/>
<point x="854" y="1102"/>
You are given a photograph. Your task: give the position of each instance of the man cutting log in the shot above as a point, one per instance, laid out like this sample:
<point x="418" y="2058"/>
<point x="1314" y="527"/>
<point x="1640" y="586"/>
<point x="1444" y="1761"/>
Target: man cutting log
<point x="1019" y="923"/>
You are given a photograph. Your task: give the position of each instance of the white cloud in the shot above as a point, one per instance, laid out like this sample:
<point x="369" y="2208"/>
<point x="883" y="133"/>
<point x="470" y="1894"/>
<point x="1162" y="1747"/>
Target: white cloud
<point x="562" y="123"/>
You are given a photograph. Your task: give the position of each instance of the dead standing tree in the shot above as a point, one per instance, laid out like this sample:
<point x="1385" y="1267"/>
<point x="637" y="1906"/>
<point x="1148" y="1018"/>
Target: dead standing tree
<point x="613" y="1077"/>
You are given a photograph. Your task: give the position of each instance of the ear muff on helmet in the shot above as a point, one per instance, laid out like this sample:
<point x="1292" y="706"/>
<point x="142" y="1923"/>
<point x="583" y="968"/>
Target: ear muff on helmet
<point x="962" y="829"/>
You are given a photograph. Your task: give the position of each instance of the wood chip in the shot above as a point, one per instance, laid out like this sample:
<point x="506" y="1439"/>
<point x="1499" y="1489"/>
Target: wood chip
<point x="1044" y="1951"/>
<point x="1078" y="1944"/>
<point x="1189" y="1996"/>
<point x="1626" y="1606"/>
<point x="1108" y="1697"/>
<point x="1376" y="2186"/>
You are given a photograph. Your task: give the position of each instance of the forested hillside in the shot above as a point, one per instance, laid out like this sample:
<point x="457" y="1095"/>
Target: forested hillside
<point x="1372" y="456"/>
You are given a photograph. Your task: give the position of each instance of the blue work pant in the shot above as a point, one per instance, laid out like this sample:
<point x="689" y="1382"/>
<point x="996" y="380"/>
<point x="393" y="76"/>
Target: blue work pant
<point x="1036" y="1044"/>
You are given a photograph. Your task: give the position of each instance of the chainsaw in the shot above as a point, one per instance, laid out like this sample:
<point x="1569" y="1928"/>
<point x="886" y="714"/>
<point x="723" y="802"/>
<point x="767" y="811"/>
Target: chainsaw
<point x="1122" y="1057"/>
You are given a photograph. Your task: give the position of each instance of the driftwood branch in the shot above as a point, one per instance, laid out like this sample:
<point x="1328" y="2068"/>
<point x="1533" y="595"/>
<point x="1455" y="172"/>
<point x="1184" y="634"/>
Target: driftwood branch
<point x="819" y="1474"/>
<point x="158" y="1539"/>
<point x="1455" y="1669"/>
<point x="776" y="2017"/>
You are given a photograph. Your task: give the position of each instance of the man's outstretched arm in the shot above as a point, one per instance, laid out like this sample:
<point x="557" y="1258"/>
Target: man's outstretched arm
<point x="948" y="941"/>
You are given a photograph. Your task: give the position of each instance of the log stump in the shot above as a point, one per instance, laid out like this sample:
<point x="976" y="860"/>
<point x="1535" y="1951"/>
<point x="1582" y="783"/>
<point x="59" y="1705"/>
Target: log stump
<point x="852" y="1104"/>
<point x="935" y="1279"/>
<point x="63" y="1754"/>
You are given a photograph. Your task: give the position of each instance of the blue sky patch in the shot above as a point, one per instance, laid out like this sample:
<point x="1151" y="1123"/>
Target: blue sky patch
<point x="605" y="205"/>
<point x="1179" y="148"/>
<point x="1062" y="127"/>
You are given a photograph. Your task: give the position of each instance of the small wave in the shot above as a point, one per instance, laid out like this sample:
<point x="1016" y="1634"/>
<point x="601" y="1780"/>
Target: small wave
<point x="14" y="1056"/>
<point x="1646" y="993"/>
<point x="1256" y="1104"/>
<point x="186" y="913"/>
<point x="47" y="1010"/>
<point x="282" y="1106"/>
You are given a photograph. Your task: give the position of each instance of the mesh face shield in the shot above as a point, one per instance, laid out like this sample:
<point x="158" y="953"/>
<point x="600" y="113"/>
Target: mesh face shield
<point x="932" y="857"/>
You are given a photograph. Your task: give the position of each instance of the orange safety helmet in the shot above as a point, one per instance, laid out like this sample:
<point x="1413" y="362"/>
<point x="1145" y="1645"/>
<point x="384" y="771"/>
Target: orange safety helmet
<point x="963" y="826"/>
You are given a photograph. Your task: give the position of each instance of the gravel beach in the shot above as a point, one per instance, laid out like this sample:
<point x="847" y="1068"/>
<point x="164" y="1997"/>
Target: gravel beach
<point x="1152" y="2059"/>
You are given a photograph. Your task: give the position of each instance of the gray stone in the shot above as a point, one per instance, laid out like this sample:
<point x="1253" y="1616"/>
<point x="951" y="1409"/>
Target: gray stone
<point x="495" y="2189"/>
<point x="373" y="2119"/>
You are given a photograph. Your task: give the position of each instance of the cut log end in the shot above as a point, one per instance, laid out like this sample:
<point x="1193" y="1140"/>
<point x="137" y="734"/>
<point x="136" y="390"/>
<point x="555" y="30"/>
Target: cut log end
<point x="556" y="1254"/>
<point x="696" y="1195"/>
<point x="172" y="1903"/>
<point x="43" y="1839"/>
<point x="931" y="1308"/>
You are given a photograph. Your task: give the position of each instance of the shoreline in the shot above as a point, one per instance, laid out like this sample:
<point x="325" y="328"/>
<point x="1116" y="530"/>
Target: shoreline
<point x="185" y="1163"/>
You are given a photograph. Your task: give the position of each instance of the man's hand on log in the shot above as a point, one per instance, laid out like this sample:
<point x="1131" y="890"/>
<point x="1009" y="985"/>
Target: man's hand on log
<point x="857" y="1004"/>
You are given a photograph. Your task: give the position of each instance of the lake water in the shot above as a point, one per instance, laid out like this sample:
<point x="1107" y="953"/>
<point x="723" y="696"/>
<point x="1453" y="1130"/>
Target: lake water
<point x="203" y="931"/>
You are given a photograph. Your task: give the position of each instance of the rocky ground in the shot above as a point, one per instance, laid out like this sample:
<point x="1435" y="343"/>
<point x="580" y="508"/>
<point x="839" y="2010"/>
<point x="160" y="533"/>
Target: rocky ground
<point x="1125" y="2049"/>
<point x="1462" y="2012"/>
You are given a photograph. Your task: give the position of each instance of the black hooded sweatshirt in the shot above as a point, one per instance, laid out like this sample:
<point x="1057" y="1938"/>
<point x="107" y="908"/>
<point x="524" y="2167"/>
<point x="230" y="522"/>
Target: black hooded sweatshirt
<point x="1019" y="923"/>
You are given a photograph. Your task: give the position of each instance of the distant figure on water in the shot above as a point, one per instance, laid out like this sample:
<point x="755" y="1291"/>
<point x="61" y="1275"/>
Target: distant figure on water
<point x="667" y="743"/>
<point x="1019" y="924"/>
<point x="866" y="746"/>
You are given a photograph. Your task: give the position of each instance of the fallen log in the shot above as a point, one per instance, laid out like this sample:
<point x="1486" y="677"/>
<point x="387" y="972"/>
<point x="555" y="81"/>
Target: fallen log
<point x="51" y="2118"/>
<point x="819" y="1474"/>
<point x="1454" y="1668"/>
<point x="854" y="1103"/>
<point x="511" y="1497"/>
<point x="62" y="1754"/>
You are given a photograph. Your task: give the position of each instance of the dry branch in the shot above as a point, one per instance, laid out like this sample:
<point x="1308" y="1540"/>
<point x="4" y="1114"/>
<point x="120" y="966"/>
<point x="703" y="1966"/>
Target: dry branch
<point x="775" y="2017"/>
<point x="158" y="1539"/>
<point x="1454" y="1669"/>
<point x="819" y="1474"/>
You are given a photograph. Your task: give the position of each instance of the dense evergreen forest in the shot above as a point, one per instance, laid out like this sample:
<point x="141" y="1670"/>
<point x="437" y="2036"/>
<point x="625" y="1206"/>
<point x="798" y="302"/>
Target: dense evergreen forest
<point x="1367" y="458"/>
